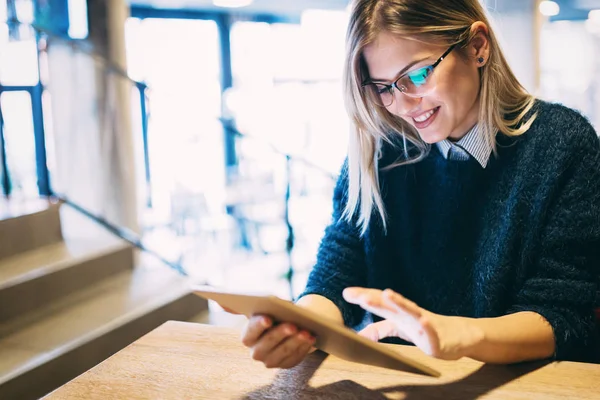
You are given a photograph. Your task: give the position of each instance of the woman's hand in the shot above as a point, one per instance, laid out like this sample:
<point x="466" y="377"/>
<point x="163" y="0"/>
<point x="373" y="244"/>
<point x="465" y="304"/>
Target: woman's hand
<point x="277" y="346"/>
<point x="448" y="338"/>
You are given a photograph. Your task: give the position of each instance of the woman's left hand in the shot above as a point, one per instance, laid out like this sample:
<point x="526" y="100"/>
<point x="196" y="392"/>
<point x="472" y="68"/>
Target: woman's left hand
<point x="448" y="338"/>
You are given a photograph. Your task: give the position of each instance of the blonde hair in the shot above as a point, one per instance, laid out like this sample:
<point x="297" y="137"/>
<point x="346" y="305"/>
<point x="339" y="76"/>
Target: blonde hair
<point x="504" y="102"/>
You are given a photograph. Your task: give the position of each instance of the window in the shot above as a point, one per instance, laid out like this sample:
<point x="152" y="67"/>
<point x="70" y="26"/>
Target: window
<point x="179" y="60"/>
<point x="19" y="142"/>
<point x="287" y="85"/>
<point x="568" y="51"/>
<point x="18" y="75"/>
<point x="287" y="93"/>
<point x="78" y="24"/>
<point x="19" y="60"/>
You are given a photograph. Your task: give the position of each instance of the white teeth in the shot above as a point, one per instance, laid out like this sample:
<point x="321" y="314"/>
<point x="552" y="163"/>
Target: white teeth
<point x="424" y="117"/>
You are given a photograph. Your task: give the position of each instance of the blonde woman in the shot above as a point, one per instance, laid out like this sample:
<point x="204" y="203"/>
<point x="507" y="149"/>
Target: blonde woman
<point x="469" y="209"/>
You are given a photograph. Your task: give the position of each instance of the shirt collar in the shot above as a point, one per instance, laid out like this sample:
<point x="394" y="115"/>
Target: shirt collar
<point x="473" y="143"/>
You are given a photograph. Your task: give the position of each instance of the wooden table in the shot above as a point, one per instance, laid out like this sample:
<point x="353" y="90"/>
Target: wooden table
<point x="192" y="361"/>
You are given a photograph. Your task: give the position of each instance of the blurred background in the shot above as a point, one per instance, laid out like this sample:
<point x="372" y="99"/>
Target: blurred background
<point x="208" y="134"/>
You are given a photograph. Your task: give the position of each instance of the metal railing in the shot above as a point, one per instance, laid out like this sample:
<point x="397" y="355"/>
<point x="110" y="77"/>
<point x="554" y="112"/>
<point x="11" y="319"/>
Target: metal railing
<point x="47" y="38"/>
<point x="44" y="39"/>
<point x="289" y="159"/>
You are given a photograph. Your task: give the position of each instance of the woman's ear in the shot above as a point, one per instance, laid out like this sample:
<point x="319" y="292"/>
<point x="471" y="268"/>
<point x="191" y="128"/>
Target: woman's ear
<point x="479" y="46"/>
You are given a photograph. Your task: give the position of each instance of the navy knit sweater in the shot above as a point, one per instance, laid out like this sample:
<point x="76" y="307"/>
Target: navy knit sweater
<point x="521" y="235"/>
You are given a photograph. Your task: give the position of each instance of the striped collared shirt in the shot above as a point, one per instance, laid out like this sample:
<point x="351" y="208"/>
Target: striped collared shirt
<point x="472" y="144"/>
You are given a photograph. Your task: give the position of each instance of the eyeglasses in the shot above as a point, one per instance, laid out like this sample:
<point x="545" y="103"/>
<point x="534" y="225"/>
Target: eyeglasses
<point x="415" y="83"/>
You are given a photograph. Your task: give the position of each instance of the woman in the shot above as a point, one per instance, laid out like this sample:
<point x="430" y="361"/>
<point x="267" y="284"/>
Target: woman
<point x="469" y="209"/>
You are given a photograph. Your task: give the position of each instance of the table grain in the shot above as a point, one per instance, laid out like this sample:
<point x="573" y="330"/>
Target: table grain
<point x="181" y="360"/>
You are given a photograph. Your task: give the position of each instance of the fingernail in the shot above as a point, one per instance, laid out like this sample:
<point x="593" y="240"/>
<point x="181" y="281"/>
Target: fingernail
<point x="265" y="322"/>
<point x="289" y="330"/>
<point x="305" y="336"/>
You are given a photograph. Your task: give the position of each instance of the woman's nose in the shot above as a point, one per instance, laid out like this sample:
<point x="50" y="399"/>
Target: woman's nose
<point x="403" y="104"/>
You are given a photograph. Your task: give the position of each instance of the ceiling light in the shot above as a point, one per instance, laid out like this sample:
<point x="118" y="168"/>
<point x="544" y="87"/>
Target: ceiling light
<point x="232" y="3"/>
<point x="593" y="22"/>
<point x="594" y="16"/>
<point x="549" y="8"/>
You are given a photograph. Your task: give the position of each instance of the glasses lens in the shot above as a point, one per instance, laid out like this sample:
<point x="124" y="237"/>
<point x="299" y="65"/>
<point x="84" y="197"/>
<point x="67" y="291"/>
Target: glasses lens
<point x="418" y="83"/>
<point x="381" y="94"/>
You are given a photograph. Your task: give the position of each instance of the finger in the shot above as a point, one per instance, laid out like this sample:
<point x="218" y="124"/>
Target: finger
<point x="356" y="295"/>
<point x="271" y="339"/>
<point x="298" y="357"/>
<point x="379" y="330"/>
<point x="402" y="302"/>
<point x="290" y="352"/>
<point x="433" y="344"/>
<point x="256" y="326"/>
<point x="385" y="311"/>
<point x="383" y="303"/>
<point x="367" y="298"/>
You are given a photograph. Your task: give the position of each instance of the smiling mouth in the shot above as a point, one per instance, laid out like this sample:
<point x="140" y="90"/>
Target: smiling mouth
<point x="426" y="118"/>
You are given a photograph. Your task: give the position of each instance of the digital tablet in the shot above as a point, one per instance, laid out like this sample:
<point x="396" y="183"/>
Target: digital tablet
<point x="332" y="337"/>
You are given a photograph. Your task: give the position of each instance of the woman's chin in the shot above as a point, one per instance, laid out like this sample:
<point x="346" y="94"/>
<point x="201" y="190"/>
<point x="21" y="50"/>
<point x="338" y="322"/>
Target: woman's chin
<point x="432" y="137"/>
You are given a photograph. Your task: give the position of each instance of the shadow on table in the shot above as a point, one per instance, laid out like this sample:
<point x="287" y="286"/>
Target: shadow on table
<point x="293" y="384"/>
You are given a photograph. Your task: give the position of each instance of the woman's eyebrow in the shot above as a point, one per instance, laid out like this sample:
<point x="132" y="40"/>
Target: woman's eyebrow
<point x="402" y="71"/>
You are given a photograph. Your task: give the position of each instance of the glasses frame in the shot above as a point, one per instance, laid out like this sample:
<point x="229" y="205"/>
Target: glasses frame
<point x="401" y="88"/>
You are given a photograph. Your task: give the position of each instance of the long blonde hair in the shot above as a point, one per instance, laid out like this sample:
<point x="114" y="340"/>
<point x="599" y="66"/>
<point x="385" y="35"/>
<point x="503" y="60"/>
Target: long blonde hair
<point x="504" y="102"/>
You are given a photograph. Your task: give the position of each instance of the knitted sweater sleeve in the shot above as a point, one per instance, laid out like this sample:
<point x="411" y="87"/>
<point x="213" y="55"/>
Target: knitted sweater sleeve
<point x="562" y="283"/>
<point x="340" y="259"/>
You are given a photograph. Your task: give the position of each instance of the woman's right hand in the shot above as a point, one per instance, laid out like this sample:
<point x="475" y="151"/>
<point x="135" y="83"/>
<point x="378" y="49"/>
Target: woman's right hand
<point x="277" y="346"/>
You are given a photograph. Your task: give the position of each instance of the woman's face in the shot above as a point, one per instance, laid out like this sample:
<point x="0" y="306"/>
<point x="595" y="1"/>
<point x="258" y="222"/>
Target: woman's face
<point x="450" y="108"/>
